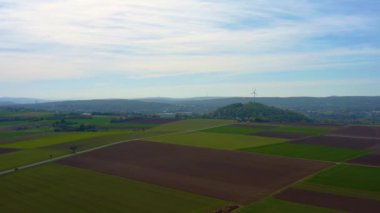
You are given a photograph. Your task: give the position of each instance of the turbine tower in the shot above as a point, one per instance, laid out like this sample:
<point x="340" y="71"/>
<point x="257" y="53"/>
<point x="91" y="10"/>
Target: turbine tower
<point x="254" y="95"/>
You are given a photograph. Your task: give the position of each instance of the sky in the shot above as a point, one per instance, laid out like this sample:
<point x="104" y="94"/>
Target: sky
<point x="90" y="49"/>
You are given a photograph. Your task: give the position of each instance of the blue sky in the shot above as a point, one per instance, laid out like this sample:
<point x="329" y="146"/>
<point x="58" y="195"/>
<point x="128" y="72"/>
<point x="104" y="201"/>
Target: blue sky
<point x="83" y="49"/>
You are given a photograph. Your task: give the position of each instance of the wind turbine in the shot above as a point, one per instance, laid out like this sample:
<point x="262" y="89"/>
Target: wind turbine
<point x="254" y="95"/>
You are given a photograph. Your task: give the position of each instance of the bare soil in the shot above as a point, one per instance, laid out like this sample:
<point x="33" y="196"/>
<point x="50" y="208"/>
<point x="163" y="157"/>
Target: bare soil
<point x="336" y="141"/>
<point x="236" y="176"/>
<point x="373" y="160"/>
<point x="6" y="150"/>
<point x="331" y="201"/>
<point x="364" y="131"/>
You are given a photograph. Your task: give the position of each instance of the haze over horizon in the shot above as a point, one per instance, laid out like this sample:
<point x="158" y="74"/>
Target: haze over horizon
<point x="92" y="49"/>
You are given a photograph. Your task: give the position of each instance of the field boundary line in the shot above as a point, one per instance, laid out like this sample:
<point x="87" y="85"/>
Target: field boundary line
<point x="16" y="169"/>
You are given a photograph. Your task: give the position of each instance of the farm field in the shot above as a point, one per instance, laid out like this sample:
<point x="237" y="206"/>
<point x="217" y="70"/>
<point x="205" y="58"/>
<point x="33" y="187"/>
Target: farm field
<point x="190" y="125"/>
<point x="202" y="165"/>
<point x="285" y="135"/>
<point x="235" y="176"/>
<point x="330" y="201"/>
<point x="360" y="131"/>
<point x="54" y="139"/>
<point x="53" y="186"/>
<point x="340" y="142"/>
<point x="40" y="146"/>
<point x="372" y="160"/>
<point x="301" y="129"/>
<point x="23" y="157"/>
<point x="217" y="140"/>
<point x="350" y="176"/>
<point x="245" y="130"/>
<point x="309" y="151"/>
<point x="344" y="187"/>
<point x="5" y="150"/>
<point x="271" y="205"/>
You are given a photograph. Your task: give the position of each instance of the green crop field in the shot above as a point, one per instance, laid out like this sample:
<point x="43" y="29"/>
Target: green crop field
<point x="54" y="139"/>
<point x="349" y="176"/>
<point x="40" y="146"/>
<point x="309" y="151"/>
<point x="12" y="134"/>
<point x="132" y="125"/>
<point x="347" y="180"/>
<point x="306" y="130"/>
<point x="13" y="123"/>
<point x="24" y="114"/>
<point x="24" y="157"/>
<point x="271" y="205"/>
<point x="55" y="187"/>
<point x="234" y="130"/>
<point x="95" y="120"/>
<point x="216" y="140"/>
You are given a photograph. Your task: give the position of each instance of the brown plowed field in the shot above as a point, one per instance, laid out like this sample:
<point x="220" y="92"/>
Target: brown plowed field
<point x="373" y="160"/>
<point x="376" y="149"/>
<point x="6" y="150"/>
<point x="335" y="141"/>
<point x="363" y="131"/>
<point x="235" y="176"/>
<point x="286" y="135"/>
<point x="330" y="201"/>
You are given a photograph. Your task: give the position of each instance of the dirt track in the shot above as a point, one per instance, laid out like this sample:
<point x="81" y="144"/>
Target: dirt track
<point x="344" y="142"/>
<point x="330" y="201"/>
<point x="235" y="176"/>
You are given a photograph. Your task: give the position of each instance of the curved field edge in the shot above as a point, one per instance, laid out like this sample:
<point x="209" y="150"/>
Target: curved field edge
<point x="52" y="186"/>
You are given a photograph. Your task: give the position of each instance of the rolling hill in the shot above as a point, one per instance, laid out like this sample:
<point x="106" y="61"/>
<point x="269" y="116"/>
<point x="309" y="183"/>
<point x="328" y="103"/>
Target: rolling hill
<point x="258" y="112"/>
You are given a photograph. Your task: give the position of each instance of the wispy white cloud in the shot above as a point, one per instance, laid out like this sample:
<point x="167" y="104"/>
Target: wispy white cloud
<point x="266" y="89"/>
<point x="77" y="38"/>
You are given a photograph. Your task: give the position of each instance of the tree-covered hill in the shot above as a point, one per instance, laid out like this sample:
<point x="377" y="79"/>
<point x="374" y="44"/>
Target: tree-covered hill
<point x="258" y="112"/>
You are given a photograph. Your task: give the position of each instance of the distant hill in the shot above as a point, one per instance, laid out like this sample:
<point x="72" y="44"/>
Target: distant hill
<point x="12" y="101"/>
<point x="355" y="109"/>
<point x="258" y="112"/>
<point x="6" y="103"/>
<point x="100" y="106"/>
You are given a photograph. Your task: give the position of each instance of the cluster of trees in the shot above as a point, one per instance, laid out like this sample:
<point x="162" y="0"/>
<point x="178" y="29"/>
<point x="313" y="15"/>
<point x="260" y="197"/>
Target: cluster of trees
<point x="65" y="126"/>
<point x="124" y="119"/>
<point x="258" y="113"/>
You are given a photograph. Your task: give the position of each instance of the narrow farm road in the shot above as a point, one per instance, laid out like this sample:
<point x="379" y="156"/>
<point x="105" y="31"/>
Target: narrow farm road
<point x="99" y="147"/>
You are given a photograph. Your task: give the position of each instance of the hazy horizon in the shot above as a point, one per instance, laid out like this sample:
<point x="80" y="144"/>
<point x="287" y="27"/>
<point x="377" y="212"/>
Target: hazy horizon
<point x="195" y="97"/>
<point x="92" y="49"/>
